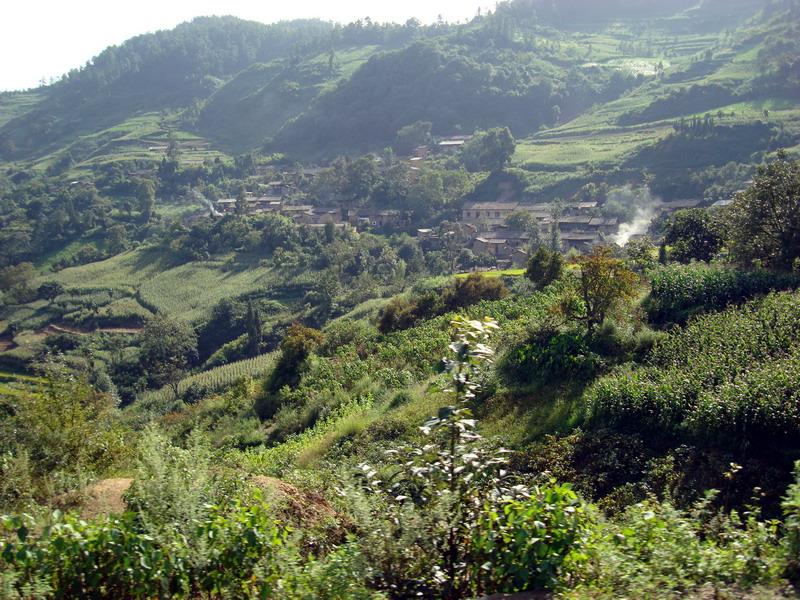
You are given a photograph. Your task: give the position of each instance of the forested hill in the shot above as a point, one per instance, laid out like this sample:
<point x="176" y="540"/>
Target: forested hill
<point x="153" y="72"/>
<point x="312" y="89"/>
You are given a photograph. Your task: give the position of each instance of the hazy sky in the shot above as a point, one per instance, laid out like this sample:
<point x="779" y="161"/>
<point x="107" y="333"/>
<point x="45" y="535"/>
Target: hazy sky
<point x="46" y="38"/>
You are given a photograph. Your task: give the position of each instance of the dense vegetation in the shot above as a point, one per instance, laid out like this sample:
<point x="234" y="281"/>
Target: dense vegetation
<point x="337" y="399"/>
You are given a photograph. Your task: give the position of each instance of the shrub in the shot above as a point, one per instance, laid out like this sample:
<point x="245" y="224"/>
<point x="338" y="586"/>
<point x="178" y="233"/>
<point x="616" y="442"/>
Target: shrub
<point x="550" y="354"/>
<point x="524" y="544"/>
<point x="791" y="511"/>
<point x="403" y="313"/>
<point x="657" y="551"/>
<point x="225" y="554"/>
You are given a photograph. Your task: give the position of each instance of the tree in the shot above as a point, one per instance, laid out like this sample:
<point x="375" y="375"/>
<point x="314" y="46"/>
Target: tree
<point x="16" y="275"/>
<point x="296" y="347"/>
<point x="254" y="330"/>
<point x="489" y="150"/>
<point x="544" y="267"/>
<point x="50" y="290"/>
<point x="168" y="349"/>
<point x="241" y="202"/>
<point x="521" y="220"/>
<point x="411" y="136"/>
<point x="693" y="234"/>
<point x="116" y="238"/>
<point x="146" y="197"/>
<point x="763" y="223"/>
<point x="604" y="283"/>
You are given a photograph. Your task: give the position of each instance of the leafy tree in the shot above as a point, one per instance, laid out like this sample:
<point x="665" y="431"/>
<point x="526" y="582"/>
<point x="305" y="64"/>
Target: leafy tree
<point x="241" y="201"/>
<point x="254" y="330"/>
<point x="116" y="239"/>
<point x="544" y="267"/>
<point x="50" y="290"/>
<point x="604" y="283"/>
<point x="489" y="150"/>
<point x="278" y="232"/>
<point x="296" y="347"/>
<point x="411" y="136"/>
<point x="16" y="275"/>
<point x="167" y="350"/>
<point x="521" y="220"/>
<point x="146" y="197"/>
<point x="764" y="221"/>
<point x="693" y="234"/>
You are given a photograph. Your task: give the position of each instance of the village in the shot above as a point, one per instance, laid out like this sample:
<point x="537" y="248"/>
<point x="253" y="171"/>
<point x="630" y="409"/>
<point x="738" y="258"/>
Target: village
<point x="485" y="227"/>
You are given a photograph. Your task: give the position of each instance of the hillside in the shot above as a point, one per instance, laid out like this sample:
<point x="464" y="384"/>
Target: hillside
<point x="314" y="90"/>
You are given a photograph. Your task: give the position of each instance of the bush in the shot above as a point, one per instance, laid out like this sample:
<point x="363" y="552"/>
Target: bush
<point x="678" y="291"/>
<point x="225" y="555"/>
<point x="403" y="313"/>
<point x="550" y="355"/>
<point x="525" y="544"/>
<point x="657" y="551"/>
<point x="791" y="511"/>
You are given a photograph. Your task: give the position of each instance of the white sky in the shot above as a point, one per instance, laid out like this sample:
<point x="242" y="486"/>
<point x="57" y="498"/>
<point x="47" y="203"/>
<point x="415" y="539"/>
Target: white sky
<point x="46" y="38"/>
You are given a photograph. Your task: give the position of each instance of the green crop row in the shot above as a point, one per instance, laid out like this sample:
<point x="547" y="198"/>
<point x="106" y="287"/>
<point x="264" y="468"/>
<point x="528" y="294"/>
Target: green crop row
<point x="215" y="379"/>
<point x="728" y="377"/>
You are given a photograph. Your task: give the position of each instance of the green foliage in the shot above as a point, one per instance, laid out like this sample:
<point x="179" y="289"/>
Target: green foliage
<point x="693" y="235"/>
<point x="61" y="426"/>
<point x="727" y="378"/>
<point x="402" y="313"/>
<point x="654" y="550"/>
<point x="791" y="511"/>
<point x="168" y="348"/>
<point x="528" y="542"/>
<point x="213" y="380"/>
<point x="451" y="500"/>
<point x="411" y="136"/>
<point x="763" y="221"/>
<point x="225" y="553"/>
<point x="605" y="284"/>
<point x="489" y="150"/>
<point x="296" y="347"/>
<point x="550" y="355"/>
<point x="677" y="292"/>
<point x="544" y="267"/>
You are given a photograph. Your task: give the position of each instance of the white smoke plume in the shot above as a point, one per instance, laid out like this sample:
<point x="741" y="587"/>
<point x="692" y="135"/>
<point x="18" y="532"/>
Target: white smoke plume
<point x="636" y="226"/>
<point x="208" y="204"/>
<point x="640" y="204"/>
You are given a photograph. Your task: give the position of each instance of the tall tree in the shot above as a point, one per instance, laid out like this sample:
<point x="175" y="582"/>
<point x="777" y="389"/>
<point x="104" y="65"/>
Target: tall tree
<point x="693" y="234"/>
<point x="254" y="330"/>
<point x="146" y="197"/>
<point x="168" y="349"/>
<point x="764" y="221"/>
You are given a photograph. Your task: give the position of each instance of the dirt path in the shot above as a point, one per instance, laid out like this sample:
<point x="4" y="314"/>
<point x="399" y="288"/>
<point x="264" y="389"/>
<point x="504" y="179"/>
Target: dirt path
<point x="105" y="498"/>
<point x="6" y="345"/>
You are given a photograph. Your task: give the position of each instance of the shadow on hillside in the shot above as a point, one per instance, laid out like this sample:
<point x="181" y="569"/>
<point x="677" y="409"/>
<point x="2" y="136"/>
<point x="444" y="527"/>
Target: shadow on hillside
<point x="520" y="415"/>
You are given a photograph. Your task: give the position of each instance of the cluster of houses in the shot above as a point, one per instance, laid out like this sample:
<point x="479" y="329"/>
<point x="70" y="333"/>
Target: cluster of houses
<point x="579" y="226"/>
<point x="278" y="200"/>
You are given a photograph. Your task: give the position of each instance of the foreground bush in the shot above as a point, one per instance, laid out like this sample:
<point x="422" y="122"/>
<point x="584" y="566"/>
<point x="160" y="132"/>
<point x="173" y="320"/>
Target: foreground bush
<point x="657" y="551"/>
